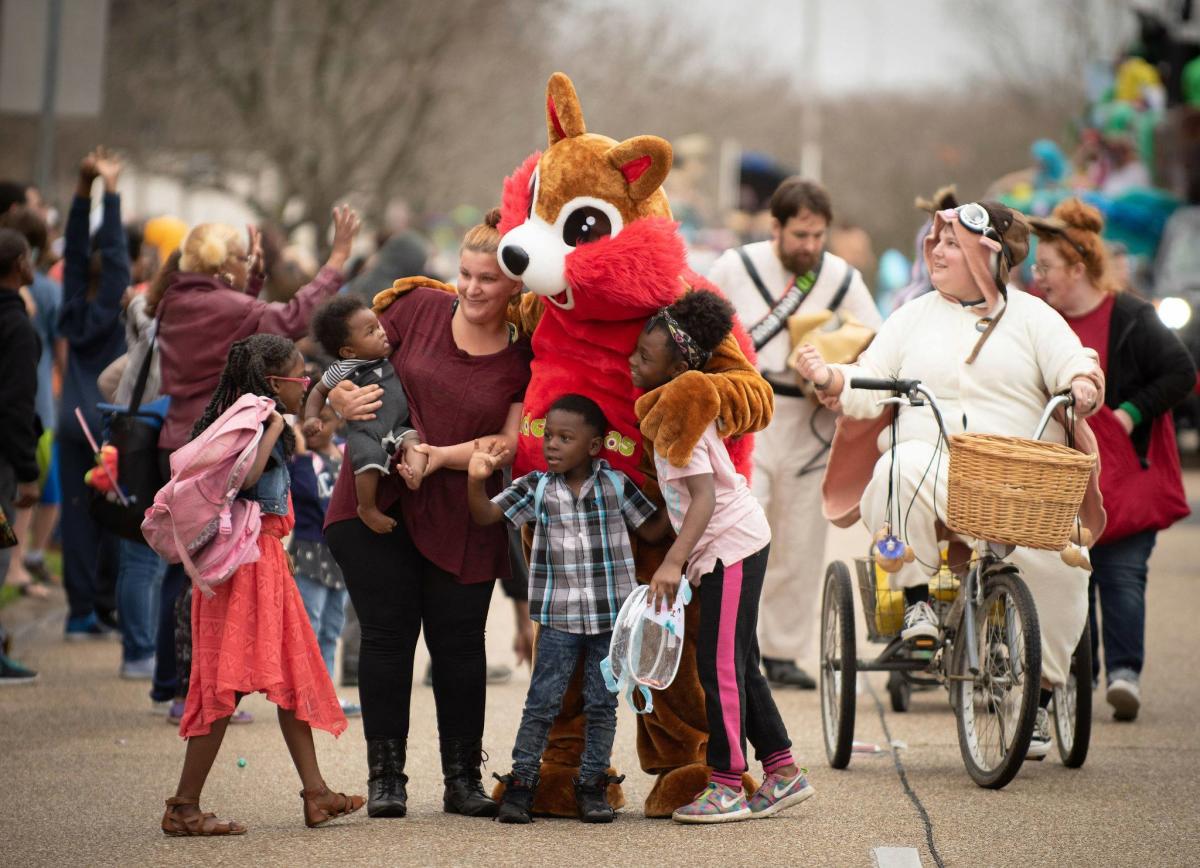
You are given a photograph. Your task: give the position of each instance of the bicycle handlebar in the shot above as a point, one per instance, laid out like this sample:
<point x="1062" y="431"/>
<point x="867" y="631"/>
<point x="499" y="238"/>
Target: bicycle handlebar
<point x="902" y="386"/>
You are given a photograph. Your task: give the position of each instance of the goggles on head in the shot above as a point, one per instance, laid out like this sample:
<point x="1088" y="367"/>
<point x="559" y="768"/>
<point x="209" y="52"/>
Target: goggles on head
<point x="975" y="218"/>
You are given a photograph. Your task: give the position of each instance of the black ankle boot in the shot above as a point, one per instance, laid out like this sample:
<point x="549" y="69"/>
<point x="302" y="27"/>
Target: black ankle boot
<point x="591" y="797"/>
<point x="516" y="805"/>
<point x="461" y="758"/>
<point x="386" y="794"/>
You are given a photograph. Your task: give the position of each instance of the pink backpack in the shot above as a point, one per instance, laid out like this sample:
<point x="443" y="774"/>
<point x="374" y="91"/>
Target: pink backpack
<point x="197" y="517"/>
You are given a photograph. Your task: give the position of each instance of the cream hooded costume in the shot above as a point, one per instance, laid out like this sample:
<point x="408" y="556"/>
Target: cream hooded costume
<point x="992" y="368"/>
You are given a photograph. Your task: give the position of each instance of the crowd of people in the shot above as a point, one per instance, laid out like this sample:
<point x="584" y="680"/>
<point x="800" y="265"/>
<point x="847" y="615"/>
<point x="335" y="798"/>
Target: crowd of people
<point x="382" y="507"/>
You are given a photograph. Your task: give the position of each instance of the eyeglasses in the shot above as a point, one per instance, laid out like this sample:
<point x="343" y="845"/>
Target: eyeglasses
<point x="1043" y="270"/>
<point x="306" y="381"/>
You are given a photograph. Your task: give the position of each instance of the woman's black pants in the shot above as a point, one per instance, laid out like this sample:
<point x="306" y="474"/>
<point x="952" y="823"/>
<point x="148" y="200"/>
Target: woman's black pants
<point x="397" y="591"/>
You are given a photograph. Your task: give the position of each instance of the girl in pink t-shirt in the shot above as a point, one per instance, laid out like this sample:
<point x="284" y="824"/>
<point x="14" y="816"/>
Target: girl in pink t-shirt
<point x="722" y="539"/>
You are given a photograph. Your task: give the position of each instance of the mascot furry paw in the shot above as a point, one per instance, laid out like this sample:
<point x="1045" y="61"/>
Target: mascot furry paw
<point x="587" y="227"/>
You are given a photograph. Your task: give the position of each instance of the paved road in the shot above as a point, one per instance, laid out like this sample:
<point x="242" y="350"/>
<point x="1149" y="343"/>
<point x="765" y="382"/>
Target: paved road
<point x="84" y="769"/>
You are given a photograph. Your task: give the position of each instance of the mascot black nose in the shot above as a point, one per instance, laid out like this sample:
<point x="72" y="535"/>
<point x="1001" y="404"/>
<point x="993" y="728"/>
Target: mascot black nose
<point x="515" y="259"/>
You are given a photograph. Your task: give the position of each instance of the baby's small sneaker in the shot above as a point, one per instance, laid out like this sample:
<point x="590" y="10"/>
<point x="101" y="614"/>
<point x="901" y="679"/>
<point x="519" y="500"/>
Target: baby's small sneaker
<point x="778" y="792"/>
<point x="716" y="803"/>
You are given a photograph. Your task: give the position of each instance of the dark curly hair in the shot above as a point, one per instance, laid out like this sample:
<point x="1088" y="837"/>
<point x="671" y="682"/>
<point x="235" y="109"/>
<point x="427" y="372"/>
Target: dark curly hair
<point x="331" y="322"/>
<point x="251" y="361"/>
<point x="583" y="406"/>
<point x="704" y="315"/>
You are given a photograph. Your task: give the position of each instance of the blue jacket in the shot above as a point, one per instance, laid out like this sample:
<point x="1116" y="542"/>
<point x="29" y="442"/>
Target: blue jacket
<point x="271" y="490"/>
<point x="92" y="327"/>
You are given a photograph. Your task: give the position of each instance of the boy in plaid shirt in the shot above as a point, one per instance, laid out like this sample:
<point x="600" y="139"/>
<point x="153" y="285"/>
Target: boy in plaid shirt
<point x="580" y="572"/>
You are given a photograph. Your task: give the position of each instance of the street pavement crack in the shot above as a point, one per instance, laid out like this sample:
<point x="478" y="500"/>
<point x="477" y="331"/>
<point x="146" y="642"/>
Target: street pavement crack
<point x="903" y="775"/>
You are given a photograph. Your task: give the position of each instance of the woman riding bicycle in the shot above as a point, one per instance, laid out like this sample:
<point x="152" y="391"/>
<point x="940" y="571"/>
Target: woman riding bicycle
<point x="991" y="357"/>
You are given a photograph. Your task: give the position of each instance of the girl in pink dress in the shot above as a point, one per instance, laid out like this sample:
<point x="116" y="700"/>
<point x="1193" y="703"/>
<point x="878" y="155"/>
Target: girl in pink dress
<point x="253" y="635"/>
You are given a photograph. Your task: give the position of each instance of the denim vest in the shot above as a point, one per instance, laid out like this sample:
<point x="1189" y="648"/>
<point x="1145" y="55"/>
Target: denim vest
<point x="271" y="490"/>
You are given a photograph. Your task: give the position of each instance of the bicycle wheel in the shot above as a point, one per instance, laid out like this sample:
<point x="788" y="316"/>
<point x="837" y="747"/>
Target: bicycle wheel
<point x="838" y="665"/>
<point x="1073" y="705"/>
<point x="900" y="691"/>
<point x="997" y="707"/>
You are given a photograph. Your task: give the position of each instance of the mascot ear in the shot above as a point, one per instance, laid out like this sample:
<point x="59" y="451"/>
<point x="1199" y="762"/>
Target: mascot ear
<point x="644" y="161"/>
<point x="564" y="117"/>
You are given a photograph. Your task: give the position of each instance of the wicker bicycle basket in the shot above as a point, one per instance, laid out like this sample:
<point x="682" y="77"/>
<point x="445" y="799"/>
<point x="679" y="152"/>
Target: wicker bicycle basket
<point x="1015" y="491"/>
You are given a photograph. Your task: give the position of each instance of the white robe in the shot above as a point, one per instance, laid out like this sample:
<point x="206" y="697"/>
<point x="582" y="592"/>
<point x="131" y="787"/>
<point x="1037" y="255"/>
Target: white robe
<point x="1031" y="354"/>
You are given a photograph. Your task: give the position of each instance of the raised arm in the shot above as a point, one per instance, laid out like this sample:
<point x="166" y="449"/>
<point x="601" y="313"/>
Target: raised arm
<point x="312" y="407"/>
<point x="291" y="318"/>
<point x="76" y="249"/>
<point x="483" y="464"/>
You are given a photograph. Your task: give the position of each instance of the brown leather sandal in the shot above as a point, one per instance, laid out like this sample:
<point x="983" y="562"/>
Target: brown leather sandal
<point x="199" y="824"/>
<point x="321" y="806"/>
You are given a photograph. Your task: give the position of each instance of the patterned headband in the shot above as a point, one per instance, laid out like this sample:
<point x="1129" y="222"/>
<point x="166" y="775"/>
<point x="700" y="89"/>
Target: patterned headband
<point x="695" y="357"/>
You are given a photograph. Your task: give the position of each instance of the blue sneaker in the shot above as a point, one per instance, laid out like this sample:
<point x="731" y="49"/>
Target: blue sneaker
<point x="350" y="709"/>
<point x="716" y="803"/>
<point x="778" y="792"/>
<point x="86" y="628"/>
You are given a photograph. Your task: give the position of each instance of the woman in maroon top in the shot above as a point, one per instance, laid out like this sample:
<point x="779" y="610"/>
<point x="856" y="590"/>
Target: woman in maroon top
<point x="465" y="372"/>
<point x="1148" y="372"/>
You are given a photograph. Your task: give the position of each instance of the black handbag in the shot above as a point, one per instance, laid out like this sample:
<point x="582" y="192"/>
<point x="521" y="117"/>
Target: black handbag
<point x="134" y="431"/>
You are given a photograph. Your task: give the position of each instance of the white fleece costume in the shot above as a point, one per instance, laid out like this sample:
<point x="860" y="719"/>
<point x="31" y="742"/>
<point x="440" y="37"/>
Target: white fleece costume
<point x="788" y="457"/>
<point x="1031" y="354"/>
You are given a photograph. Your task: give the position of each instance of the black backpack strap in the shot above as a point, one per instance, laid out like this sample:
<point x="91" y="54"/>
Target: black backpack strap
<point x="754" y="276"/>
<point x="840" y="295"/>
<point x="139" y="386"/>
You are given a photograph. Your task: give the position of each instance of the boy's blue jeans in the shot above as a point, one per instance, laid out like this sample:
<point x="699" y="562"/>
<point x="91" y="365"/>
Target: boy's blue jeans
<point x="557" y="655"/>
<point x="326" y="608"/>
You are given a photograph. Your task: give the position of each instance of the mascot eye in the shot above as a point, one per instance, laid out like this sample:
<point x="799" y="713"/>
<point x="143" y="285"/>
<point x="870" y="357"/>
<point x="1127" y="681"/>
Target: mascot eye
<point x="586" y="224"/>
<point x="532" y="185"/>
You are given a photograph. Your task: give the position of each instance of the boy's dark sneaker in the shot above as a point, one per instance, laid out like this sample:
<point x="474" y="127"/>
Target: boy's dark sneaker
<point x="591" y="797"/>
<point x="516" y="805"/>
<point x="12" y="672"/>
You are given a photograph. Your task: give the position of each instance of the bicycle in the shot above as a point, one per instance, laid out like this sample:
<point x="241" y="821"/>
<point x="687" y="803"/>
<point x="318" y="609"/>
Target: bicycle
<point x="987" y="653"/>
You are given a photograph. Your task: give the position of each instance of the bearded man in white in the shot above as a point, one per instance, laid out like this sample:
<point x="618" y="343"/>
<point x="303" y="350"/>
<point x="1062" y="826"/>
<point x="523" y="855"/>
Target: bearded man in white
<point x="767" y="282"/>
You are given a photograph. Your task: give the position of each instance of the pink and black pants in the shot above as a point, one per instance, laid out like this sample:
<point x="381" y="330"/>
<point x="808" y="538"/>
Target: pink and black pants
<point x="737" y="698"/>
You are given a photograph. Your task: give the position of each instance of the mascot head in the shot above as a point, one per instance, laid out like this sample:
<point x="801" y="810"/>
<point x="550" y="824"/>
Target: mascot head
<point x="586" y="224"/>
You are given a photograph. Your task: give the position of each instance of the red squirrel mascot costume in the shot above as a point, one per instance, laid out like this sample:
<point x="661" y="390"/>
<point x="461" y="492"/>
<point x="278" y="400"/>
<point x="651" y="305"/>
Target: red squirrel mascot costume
<point x="587" y="228"/>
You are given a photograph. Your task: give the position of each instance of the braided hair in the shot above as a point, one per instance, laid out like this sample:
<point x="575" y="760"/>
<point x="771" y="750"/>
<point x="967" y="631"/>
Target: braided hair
<point x="251" y="361"/>
<point x="704" y="317"/>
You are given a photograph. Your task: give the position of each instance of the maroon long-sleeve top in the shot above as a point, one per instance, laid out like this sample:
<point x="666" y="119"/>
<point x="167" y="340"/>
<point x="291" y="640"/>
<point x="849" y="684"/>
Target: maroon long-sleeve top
<point x="200" y="318"/>
<point x="453" y="397"/>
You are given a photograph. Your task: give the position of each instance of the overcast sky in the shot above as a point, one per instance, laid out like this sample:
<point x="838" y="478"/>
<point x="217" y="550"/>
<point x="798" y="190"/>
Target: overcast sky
<point x="883" y="44"/>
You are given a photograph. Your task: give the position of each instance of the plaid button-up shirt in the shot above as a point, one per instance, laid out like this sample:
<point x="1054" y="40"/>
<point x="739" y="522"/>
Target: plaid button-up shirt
<point x="581" y="566"/>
